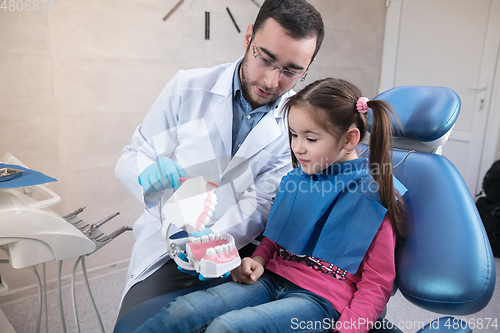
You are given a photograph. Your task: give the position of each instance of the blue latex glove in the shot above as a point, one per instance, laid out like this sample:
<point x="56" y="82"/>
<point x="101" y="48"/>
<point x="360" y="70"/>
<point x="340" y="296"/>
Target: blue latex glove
<point x="183" y="257"/>
<point x="161" y="175"/>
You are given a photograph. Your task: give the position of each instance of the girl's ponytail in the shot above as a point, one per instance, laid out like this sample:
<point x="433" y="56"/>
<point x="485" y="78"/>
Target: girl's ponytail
<point x="381" y="161"/>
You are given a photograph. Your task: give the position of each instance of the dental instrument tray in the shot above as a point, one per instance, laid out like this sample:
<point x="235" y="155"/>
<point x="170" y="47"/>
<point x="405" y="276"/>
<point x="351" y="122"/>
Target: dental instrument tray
<point x="9" y="173"/>
<point x="23" y="178"/>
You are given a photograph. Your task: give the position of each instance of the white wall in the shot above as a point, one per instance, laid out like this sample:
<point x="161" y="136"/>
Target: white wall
<point x="76" y="81"/>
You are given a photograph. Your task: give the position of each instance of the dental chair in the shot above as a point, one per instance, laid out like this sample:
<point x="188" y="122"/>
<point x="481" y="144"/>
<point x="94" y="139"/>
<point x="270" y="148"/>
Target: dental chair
<point x="445" y="264"/>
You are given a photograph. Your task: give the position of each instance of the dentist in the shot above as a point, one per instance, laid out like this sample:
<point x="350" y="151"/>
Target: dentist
<point x="213" y="121"/>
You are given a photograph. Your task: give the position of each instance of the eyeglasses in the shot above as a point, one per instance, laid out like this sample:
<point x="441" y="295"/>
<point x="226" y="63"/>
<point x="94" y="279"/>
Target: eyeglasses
<point x="271" y="66"/>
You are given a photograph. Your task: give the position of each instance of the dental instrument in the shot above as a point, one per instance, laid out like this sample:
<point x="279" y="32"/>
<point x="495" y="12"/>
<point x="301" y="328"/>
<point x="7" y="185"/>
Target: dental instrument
<point x="94" y="227"/>
<point x="32" y="234"/>
<point x="8" y="174"/>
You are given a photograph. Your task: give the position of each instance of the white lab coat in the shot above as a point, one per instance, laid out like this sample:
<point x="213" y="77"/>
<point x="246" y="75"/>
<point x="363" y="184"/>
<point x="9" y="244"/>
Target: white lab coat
<point x="191" y="123"/>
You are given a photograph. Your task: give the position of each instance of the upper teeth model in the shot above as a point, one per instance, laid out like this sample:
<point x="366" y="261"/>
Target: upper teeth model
<point x="192" y="205"/>
<point x="190" y="208"/>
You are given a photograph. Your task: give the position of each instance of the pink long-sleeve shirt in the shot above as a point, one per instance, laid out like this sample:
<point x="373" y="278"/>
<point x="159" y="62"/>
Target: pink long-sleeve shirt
<point x="360" y="298"/>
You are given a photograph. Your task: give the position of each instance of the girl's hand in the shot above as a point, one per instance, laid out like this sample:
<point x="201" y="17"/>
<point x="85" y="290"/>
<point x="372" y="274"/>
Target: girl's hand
<point x="249" y="270"/>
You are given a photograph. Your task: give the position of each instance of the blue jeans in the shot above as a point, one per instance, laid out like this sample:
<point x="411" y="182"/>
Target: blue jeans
<point x="271" y="304"/>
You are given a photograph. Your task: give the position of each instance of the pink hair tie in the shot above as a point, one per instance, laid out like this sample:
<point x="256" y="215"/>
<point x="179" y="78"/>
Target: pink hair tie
<point x="362" y="105"/>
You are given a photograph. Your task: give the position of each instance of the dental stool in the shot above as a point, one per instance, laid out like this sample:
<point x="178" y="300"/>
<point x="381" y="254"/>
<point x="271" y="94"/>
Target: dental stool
<point x="445" y="263"/>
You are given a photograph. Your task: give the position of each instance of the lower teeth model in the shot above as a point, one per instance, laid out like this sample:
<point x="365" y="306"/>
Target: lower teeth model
<point x="213" y="255"/>
<point x="190" y="208"/>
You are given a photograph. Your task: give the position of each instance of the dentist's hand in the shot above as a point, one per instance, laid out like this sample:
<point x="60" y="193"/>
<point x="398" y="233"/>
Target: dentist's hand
<point x="161" y="175"/>
<point x="249" y="270"/>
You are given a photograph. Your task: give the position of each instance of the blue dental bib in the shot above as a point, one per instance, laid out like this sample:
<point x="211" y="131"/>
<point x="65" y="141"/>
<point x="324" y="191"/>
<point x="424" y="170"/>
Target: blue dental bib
<point x="333" y="215"/>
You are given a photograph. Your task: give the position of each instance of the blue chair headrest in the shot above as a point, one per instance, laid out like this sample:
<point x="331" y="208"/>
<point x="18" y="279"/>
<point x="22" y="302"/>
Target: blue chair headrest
<point x="425" y="113"/>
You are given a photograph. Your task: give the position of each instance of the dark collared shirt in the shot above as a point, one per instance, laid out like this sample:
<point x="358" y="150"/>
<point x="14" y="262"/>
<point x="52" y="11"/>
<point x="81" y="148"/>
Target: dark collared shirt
<point x="244" y="118"/>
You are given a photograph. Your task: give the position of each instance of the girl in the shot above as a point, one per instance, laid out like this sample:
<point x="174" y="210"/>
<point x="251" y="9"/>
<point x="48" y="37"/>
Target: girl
<point x="326" y="261"/>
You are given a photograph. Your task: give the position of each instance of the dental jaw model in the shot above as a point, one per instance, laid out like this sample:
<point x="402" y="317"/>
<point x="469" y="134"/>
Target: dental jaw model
<point x="190" y="208"/>
<point x="213" y="255"/>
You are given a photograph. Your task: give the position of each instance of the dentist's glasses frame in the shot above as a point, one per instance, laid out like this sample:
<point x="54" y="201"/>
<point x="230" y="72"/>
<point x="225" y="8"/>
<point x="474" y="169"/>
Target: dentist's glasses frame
<point x="270" y="65"/>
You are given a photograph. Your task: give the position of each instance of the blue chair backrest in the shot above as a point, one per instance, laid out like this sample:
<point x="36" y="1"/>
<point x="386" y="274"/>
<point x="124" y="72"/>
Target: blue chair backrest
<point x="445" y="264"/>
